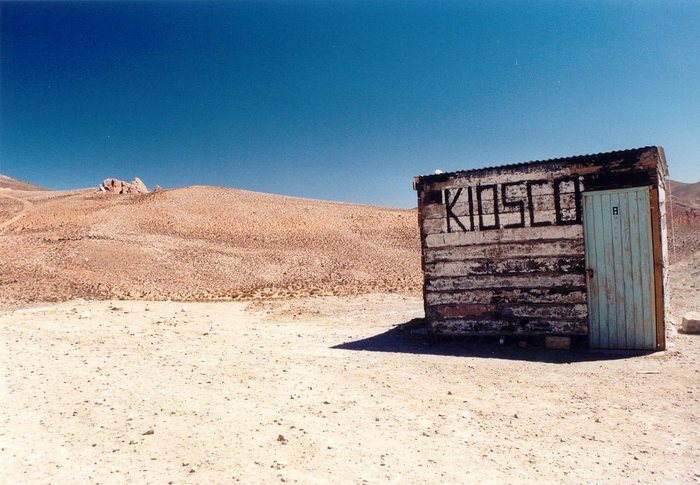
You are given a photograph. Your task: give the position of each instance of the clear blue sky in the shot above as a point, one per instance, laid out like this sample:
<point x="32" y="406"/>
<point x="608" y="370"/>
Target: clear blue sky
<point x="339" y="100"/>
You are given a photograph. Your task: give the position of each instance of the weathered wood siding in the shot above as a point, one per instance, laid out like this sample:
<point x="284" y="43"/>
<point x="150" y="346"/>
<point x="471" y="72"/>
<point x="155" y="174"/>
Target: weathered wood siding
<point x="661" y="257"/>
<point x="503" y="247"/>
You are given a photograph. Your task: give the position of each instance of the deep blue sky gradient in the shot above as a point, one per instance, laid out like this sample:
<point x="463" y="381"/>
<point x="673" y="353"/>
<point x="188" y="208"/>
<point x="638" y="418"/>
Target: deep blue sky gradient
<point x="339" y="100"/>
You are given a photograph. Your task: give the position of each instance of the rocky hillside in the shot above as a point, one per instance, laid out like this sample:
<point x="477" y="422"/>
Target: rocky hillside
<point x="200" y="243"/>
<point x="684" y="220"/>
<point x="686" y="194"/>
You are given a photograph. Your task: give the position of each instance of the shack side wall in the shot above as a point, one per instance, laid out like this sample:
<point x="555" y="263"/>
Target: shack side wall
<point x="503" y="248"/>
<point x="661" y="255"/>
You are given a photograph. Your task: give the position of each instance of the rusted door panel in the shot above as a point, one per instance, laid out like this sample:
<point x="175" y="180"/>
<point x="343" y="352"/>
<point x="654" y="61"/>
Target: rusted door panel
<point x="620" y="279"/>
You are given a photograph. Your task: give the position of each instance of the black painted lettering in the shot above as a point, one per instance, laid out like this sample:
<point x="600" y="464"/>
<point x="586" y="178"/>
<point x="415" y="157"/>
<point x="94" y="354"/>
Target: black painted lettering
<point x="531" y="203"/>
<point x="480" y="189"/>
<point x="520" y="204"/>
<point x="558" y="205"/>
<point x="471" y="207"/>
<point x="448" y="210"/>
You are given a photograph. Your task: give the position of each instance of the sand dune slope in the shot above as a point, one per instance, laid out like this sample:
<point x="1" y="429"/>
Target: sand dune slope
<point x="199" y="243"/>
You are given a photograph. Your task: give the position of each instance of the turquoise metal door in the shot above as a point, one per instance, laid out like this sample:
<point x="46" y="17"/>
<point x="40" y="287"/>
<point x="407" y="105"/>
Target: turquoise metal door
<point x="619" y="266"/>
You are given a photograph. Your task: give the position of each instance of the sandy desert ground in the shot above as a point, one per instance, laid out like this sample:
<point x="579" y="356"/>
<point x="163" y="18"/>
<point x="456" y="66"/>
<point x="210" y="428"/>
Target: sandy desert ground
<point x="316" y="375"/>
<point x="327" y="390"/>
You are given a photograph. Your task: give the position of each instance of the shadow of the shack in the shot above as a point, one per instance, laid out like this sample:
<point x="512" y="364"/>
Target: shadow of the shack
<point x="409" y="338"/>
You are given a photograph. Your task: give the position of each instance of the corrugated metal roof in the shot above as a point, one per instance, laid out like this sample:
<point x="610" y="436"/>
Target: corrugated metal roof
<point x="603" y="155"/>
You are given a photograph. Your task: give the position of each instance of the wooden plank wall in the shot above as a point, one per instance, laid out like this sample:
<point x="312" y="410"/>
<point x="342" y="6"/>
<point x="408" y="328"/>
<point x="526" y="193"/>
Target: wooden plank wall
<point x="503" y="248"/>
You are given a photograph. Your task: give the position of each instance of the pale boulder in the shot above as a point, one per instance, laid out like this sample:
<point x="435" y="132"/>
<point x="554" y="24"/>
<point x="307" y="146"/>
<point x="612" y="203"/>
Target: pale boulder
<point x="138" y="187"/>
<point x="113" y="186"/>
<point x="691" y="323"/>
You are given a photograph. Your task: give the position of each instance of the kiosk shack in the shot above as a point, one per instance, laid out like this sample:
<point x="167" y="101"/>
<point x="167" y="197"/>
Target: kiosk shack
<point x="566" y="247"/>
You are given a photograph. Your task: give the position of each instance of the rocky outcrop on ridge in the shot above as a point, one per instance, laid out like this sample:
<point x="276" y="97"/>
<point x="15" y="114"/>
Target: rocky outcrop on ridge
<point x="116" y="186"/>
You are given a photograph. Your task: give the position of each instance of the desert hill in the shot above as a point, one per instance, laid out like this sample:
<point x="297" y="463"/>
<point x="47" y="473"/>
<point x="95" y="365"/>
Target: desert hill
<point x="684" y="220"/>
<point x="208" y="243"/>
<point x="686" y="194"/>
<point x="10" y="183"/>
<point x="199" y="243"/>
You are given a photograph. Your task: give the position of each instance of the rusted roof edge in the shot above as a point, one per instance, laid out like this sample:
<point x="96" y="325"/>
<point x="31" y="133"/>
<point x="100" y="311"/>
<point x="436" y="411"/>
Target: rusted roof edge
<point x="605" y="155"/>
